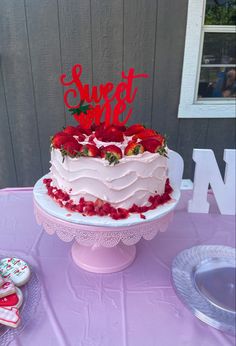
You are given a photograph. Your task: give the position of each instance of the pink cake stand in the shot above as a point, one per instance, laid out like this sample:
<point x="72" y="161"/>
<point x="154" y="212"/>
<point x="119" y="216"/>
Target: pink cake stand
<point x="101" y="244"/>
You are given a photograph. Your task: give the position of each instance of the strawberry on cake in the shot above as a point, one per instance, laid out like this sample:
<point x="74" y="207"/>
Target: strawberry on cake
<point x="109" y="170"/>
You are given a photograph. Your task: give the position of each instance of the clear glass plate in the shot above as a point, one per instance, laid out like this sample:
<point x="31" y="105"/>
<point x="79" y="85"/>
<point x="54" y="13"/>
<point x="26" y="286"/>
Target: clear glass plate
<point x="204" y="279"/>
<point x="31" y="296"/>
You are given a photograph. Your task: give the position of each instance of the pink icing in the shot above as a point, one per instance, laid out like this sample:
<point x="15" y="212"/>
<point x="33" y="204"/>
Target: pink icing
<point x="133" y="180"/>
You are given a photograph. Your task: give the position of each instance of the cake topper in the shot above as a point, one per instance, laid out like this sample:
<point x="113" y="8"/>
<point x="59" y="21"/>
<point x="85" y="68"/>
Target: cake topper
<point x="100" y="98"/>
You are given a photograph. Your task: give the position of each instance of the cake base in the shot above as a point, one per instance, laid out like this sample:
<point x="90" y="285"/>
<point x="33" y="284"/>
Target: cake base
<point x="99" y="259"/>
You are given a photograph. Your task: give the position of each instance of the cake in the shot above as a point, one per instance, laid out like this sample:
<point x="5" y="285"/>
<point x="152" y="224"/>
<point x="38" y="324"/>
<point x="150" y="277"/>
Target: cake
<point x="109" y="170"/>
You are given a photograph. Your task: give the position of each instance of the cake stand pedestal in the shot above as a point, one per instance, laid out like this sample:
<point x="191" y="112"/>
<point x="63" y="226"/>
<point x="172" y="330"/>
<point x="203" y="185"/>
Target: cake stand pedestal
<point x="101" y="244"/>
<point x="100" y="259"/>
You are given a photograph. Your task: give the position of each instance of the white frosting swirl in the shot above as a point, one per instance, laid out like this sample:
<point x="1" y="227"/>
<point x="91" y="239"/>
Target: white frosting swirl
<point x="133" y="180"/>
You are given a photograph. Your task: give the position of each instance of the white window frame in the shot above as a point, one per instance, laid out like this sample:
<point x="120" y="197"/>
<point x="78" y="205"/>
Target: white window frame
<point x="189" y="106"/>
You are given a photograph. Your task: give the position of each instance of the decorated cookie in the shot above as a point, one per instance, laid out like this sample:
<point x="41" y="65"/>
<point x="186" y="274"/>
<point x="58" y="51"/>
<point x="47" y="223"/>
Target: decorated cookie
<point x="9" y="316"/>
<point x="7" y="288"/>
<point x="20" y="298"/>
<point x="13" y="300"/>
<point x="1" y="281"/>
<point x="16" y="270"/>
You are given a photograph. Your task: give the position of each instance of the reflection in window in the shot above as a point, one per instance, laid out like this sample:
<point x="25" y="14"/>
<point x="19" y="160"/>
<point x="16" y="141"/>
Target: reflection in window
<point x="217" y="82"/>
<point x="219" y="48"/>
<point x="220" y="12"/>
<point x="217" y="75"/>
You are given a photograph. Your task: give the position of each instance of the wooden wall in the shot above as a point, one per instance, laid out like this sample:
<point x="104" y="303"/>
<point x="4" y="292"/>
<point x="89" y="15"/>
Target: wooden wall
<point x="40" y="39"/>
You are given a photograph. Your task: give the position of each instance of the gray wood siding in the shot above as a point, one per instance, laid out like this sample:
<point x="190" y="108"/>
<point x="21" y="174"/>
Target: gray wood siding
<point x="19" y="93"/>
<point x="41" y="39"/>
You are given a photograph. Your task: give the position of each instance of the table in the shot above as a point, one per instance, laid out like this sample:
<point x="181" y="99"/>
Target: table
<point x="135" y="307"/>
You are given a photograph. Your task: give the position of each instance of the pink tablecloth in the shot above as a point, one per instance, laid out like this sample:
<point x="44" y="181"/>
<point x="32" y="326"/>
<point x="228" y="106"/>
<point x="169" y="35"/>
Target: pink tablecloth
<point x="136" y="307"/>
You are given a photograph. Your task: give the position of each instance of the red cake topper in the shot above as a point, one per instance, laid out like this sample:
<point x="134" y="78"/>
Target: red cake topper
<point x="101" y="98"/>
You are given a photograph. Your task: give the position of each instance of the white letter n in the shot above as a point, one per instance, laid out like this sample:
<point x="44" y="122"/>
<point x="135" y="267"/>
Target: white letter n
<point x="207" y="172"/>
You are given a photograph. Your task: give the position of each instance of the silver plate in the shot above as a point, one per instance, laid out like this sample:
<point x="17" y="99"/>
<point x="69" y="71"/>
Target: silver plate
<point x="204" y="279"/>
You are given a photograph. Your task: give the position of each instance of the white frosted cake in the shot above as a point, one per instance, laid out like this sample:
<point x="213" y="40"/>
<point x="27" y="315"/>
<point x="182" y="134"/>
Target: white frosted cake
<point x="109" y="171"/>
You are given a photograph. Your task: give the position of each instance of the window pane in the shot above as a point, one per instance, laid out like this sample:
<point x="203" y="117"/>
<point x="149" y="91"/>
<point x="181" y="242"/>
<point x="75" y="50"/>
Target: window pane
<point x="217" y="82"/>
<point x="219" y="48"/>
<point x="220" y="12"/>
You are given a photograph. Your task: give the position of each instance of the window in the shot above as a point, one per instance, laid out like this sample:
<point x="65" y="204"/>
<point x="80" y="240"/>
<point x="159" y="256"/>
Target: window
<point x="208" y="87"/>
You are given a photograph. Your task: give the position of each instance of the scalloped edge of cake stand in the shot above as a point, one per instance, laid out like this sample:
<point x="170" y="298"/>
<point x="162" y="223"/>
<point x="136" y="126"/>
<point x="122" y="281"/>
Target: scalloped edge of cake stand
<point x="93" y="254"/>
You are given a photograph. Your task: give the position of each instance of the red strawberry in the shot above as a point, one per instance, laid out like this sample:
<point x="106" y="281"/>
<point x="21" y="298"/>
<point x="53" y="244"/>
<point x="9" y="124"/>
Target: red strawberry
<point x="80" y="137"/>
<point x="91" y="139"/>
<point x="114" y="128"/>
<point x="47" y="181"/>
<point x="121" y="128"/>
<point x="115" y="136"/>
<point x="111" y="153"/>
<point x="106" y="208"/>
<point x="123" y="213"/>
<point x="74" y="131"/>
<point x="84" y="130"/>
<point x="71" y="148"/>
<point x="98" y="203"/>
<point x="134" y="148"/>
<point x="90" y="150"/>
<point x="93" y="127"/>
<point x="59" y="139"/>
<point x="145" y="134"/>
<point x="151" y="144"/>
<point x="70" y="130"/>
<point x="109" y="134"/>
<point x="159" y="137"/>
<point x="133" y="129"/>
<point x="168" y="188"/>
